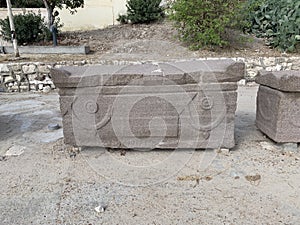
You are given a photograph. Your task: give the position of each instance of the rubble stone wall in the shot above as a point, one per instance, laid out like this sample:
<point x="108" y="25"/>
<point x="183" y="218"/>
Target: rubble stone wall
<point x="35" y="76"/>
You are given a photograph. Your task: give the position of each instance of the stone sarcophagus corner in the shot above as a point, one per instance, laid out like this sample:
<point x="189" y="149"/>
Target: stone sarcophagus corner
<point x="278" y="105"/>
<point x="187" y="104"/>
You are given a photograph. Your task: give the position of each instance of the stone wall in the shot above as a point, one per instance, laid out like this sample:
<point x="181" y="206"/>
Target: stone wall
<point x="25" y="77"/>
<point x="34" y="76"/>
<point x="270" y="64"/>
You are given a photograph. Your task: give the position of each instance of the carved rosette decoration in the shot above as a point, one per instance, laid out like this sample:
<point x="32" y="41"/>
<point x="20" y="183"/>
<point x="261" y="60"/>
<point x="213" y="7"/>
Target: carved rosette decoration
<point x="91" y="107"/>
<point x="207" y="103"/>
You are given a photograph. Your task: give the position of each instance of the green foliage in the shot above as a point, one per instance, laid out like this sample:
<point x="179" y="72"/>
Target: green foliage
<point x="142" y="11"/>
<point x="23" y="4"/>
<point x="201" y="23"/>
<point x="122" y="19"/>
<point x="71" y="5"/>
<point x="276" y="20"/>
<point x="27" y="4"/>
<point x="29" y="28"/>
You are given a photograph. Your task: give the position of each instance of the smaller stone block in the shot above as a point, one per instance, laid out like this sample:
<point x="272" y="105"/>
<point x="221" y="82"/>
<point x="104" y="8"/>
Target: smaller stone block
<point x="278" y="105"/>
<point x="287" y="80"/>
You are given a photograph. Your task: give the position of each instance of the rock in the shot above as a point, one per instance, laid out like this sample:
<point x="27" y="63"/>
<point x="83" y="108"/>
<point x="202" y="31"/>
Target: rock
<point x="31" y="68"/>
<point x="3" y="68"/>
<point x="101" y="208"/>
<point x="242" y="82"/>
<point x="254" y="179"/>
<point x="53" y="126"/>
<point x="278" y="67"/>
<point x="48" y="80"/>
<point x="225" y="151"/>
<point x="290" y="147"/>
<point x="46" y="89"/>
<point x="43" y="69"/>
<point x="15" y="150"/>
<point x="3" y="158"/>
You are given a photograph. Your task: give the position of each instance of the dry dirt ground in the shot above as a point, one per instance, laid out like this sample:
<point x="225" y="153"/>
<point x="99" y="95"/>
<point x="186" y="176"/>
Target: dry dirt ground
<point x="147" y="43"/>
<point x="47" y="182"/>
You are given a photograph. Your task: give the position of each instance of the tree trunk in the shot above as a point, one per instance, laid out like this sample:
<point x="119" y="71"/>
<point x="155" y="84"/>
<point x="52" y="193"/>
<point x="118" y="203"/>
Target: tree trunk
<point x="12" y="28"/>
<point x="50" y="13"/>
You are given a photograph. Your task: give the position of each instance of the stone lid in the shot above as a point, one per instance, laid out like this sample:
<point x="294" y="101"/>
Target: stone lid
<point x="287" y="80"/>
<point x="184" y="72"/>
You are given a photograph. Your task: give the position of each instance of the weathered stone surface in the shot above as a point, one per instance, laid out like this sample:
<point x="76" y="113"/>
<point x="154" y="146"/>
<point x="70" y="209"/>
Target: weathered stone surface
<point x="186" y="72"/>
<point x="288" y="80"/>
<point x="166" y="105"/>
<point x="278" y="114"/>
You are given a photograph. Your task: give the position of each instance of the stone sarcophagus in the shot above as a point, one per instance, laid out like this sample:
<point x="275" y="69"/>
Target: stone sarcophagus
<point x="188" y="104"/>
<point x="278" y="105"/>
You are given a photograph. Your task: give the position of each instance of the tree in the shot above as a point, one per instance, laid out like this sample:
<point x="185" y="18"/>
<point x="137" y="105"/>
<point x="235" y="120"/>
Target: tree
<point x="23" y="4"/>
<point x="202" y="23"/>
<point x="12" y="28"/>
<point x="142" y="11"/>
<point x="71" y="5"/>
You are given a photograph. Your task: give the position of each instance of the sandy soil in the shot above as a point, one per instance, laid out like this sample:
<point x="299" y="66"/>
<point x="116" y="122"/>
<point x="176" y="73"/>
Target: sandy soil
<point x="50" y="183"/>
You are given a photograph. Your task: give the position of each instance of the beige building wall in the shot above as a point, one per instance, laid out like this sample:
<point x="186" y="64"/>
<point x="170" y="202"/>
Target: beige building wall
<point x="95" y="14"/>
<point x="3" y="11"/>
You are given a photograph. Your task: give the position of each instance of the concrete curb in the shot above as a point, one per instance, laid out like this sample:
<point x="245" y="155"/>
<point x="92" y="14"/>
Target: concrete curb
<point x="49" y="49"/>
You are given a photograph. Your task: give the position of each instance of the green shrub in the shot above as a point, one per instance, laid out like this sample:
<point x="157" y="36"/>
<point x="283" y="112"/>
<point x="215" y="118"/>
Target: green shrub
<point x="202" y="23"/>
<point x="122" y="19"/>
<point x="28" y="4"/>
<point x="276" y="20"/>
<point x="142" y="11"/>
<point x="29" y="28"/>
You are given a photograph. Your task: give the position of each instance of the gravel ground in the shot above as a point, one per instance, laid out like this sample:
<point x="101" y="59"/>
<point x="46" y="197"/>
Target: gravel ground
<point x="50" y="183"/>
